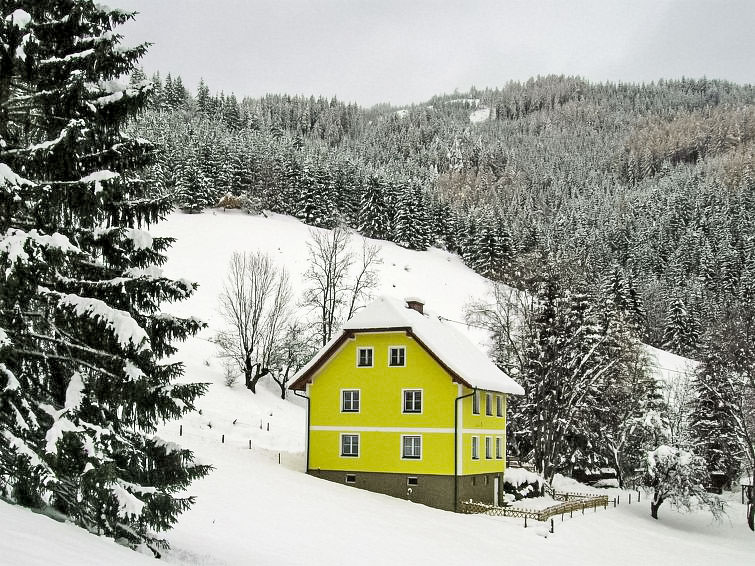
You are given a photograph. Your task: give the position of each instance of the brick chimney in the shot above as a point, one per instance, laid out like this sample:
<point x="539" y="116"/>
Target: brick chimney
<point x="415" y="304"/>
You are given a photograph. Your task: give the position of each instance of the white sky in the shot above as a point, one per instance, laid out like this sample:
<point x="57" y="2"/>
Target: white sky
<point x="404" y="51"/>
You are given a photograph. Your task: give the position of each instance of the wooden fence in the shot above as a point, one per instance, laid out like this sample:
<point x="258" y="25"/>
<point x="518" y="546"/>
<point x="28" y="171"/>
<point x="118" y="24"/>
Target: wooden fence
<point x="571" y="502"/>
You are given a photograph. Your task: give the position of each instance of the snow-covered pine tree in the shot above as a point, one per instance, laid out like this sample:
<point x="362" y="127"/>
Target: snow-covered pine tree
<point x="203" y="97"/>
<point x="194" y="191"/>
<point x="373" y="214"/>
<point x="681" y="333"/>
<point x="714" y="414"/>
<point x="403" y="216"/>
<point x="83" y="376"/>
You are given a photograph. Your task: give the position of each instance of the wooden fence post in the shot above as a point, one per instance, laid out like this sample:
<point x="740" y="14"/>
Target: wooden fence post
<point x="222" y="439"/>
<point x="250" y="444"/>
<point x="180" y="430"/>
<point x="525" y="521"/>
<point x="552" y="528"/>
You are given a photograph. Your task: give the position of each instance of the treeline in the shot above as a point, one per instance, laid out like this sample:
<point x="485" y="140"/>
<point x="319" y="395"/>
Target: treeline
<point x="655" y="181"/>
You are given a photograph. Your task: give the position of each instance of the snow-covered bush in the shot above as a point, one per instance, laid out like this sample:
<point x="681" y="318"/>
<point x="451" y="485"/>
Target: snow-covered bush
<point x="521" y="484"/>
<point x="679" y="477"/>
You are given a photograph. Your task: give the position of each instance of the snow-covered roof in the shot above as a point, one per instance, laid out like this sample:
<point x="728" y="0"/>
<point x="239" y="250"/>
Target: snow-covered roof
<point x="450" y="347"/>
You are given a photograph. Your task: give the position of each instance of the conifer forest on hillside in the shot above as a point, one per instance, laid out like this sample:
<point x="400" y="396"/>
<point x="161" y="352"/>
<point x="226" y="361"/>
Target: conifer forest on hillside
<point x="643" y="192"/>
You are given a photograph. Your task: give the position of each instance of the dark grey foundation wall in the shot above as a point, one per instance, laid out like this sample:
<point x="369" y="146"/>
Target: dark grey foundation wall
<point x="432" y="490"/>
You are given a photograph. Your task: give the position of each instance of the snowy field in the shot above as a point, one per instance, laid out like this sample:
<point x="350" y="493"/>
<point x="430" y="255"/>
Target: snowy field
<point x="254" y="510"/>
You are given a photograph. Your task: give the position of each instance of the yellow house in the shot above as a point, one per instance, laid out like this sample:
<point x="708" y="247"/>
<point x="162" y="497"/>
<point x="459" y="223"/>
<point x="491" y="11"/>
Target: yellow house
<point x="401" y="403"/>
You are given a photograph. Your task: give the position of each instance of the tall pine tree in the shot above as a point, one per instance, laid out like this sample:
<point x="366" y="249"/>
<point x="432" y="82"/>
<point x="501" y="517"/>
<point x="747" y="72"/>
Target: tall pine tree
<point x="83" y="376"/>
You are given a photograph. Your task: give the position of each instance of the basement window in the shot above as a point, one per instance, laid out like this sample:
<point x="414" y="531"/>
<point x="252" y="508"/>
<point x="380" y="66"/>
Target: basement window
<point x="351" y="478"/>
<point x="412" y="481"/>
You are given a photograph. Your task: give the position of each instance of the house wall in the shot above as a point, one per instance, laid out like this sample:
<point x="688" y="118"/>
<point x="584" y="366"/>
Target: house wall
<point x="380" y="424"/>
<point x="380" y="421"/>
<point x="433" y="490"/>
<point x="482" y="425"/>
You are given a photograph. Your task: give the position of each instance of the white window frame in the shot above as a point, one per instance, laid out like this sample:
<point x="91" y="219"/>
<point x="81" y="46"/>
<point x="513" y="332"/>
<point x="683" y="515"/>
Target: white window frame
<point x="475" y="448"/>
<point x="488" y="447"/>
<point x="476" y="403"/>
<point x="353" y="481"/>
<point x="421" y="401"/>
<point x="390" y="348"/>
<point x="499" y="405"/>
<point x="340" y="445"/>
<point x="359" y="400"/>
<point x="499" y="448"/>
<point x="372" y="356"/>
<point x="488" y="404"/>
<point x="413" y="458"/>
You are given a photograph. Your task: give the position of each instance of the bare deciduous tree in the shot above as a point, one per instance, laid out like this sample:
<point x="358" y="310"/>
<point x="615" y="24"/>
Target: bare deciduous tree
<point x="256" y="304"/>
<point x="335" y="291"/>
<point x="292" y="353"/>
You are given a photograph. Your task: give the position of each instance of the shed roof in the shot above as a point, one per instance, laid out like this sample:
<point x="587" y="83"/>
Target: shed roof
<point x="463" y="360"/>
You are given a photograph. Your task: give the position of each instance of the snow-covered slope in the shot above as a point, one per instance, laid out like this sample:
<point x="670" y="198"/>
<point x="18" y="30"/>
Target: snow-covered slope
<point x="254" y="510"/>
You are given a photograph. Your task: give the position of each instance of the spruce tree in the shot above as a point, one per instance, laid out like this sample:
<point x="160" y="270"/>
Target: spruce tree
<point x="83" y="377"/>
<point x="714" y="416"/>
<point x="373" y="215"/>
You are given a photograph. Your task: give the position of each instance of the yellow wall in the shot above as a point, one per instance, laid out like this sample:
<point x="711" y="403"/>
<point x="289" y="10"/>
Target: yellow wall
<point x="381" y="422"/>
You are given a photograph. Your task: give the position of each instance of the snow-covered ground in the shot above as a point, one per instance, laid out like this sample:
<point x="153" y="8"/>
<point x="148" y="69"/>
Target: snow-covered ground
<point x="254" y="510"/>
<point x="479" y="115"/>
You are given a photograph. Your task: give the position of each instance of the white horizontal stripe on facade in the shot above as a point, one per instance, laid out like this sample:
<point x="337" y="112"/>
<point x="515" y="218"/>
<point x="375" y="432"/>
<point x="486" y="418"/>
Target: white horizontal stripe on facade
<point x="406" y="429"/>
<point x="380" y="429"/>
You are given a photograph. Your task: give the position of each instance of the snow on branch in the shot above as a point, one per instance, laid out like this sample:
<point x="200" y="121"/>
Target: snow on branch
<point x="128" y="504"/>
<point x="125" y="329"/>
<point x="13" y="383"/>
<point x="98" y="177"/>
<point x="20" y="18"/>
<point x="9" y="178"/>
<point x="15" y="240"/>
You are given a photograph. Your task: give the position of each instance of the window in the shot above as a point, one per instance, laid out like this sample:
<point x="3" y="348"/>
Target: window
<point x="488" y="404"/>
<point x="488" y="447"/>
<point x="364" y="357"/>
<point x="476" y="403"/>
<point x="475" y="448"/>
<point x="412" y="400"/>
<point x="411" y="448"/>
<point x="499" y="405"/>
<point x="350" y="445"/>
<point x="499" y="448"/>
<point x="350" y="401"/>
<point x="412" y="481"/>
<point x="351" y="478"/>
<point x="397" y="356"/>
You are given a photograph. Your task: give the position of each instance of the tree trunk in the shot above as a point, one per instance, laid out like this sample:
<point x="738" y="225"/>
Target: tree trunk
<point x="654" y="505"/>
<point x="248" y="367"/>
<point x="259" y="373"/>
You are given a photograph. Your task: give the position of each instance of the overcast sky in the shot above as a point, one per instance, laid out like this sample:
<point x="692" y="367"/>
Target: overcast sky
<point x="404" y="51"/>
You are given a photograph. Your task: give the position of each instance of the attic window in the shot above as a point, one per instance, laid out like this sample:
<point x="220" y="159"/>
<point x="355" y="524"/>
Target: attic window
<point x="397" y="356"/>
<point x="364" y="357"/>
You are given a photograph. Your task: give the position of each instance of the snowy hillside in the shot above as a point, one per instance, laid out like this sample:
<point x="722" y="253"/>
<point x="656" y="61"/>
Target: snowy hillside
<point x="257" y="507"/>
